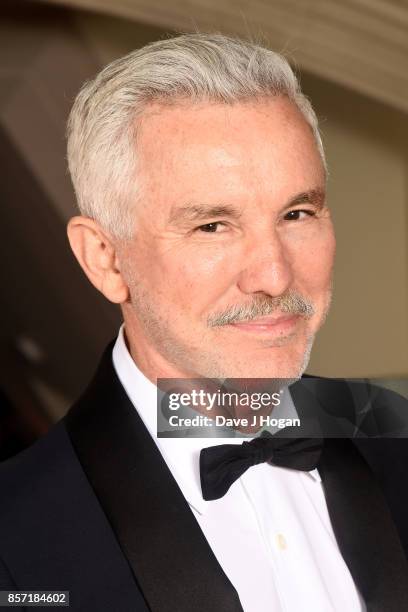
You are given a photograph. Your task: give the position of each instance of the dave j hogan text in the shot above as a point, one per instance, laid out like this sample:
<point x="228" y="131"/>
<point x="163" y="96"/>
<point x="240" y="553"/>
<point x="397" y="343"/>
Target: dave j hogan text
<point x="238" y="423"/>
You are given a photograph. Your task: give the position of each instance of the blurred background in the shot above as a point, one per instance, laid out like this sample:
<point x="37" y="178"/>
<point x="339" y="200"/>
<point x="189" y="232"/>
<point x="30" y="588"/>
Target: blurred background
<point x="352" y="59"/>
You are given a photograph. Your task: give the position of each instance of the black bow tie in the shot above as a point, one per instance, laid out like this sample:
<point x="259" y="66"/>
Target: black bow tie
<point x="221" y="465"/>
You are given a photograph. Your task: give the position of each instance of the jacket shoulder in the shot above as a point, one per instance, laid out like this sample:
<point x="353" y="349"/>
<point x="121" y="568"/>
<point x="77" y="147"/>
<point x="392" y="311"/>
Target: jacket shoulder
<point x="54" y="534"/>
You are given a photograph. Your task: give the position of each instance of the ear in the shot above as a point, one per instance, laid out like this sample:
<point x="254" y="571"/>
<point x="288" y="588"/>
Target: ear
<point x="97" y="256"/>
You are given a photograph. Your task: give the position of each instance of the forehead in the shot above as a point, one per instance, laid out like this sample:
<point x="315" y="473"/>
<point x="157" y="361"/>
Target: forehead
<point x="252" y="146"/>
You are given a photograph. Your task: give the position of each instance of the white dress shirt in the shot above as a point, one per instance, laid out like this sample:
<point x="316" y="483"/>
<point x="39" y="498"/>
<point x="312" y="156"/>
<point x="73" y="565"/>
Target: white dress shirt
<point x="271" y="532"/>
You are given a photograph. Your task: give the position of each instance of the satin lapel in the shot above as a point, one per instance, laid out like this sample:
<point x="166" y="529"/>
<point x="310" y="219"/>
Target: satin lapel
<point x="172" y="562"/>
<point x="361" y="519"/>
<point x="328" y="401"/>
<point x="364" y="529"/>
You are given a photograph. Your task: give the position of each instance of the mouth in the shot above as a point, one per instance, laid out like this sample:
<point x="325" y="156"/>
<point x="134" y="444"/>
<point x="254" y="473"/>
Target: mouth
<point x="277" y="325"/>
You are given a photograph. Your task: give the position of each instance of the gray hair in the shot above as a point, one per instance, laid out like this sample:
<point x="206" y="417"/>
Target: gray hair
<point x="102" y="127"/>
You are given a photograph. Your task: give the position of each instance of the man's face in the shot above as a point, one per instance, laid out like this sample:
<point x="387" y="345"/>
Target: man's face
<point x="230" y="266"/>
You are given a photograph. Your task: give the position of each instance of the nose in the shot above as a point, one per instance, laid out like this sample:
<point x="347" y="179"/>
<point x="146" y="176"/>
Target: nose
<point x="268" y="267"/>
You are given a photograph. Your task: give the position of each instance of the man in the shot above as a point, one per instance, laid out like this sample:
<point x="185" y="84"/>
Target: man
<point x="200" y="175"/>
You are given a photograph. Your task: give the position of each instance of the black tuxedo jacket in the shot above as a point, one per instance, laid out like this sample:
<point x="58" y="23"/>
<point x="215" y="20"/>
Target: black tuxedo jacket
<point x="92" y="508"/>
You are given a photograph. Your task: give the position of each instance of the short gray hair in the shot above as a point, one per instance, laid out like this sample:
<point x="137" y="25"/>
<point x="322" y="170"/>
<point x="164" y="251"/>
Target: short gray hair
<point x="102" y="127"/>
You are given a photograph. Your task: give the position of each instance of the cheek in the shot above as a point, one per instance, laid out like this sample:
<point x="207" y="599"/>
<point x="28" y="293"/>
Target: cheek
<point x="193" y="278"/>
<point x="314" y="261"/>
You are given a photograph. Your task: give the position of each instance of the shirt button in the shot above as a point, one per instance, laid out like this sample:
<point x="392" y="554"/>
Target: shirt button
<point x="281" y="542"/>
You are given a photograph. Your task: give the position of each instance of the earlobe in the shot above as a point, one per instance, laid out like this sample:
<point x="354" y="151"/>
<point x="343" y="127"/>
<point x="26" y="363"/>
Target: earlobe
<point x="96" y="254"/>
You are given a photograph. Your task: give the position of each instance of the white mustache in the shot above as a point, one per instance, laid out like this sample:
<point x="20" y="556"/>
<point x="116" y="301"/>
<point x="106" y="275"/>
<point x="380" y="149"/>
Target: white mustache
<point x="289" y="303"/>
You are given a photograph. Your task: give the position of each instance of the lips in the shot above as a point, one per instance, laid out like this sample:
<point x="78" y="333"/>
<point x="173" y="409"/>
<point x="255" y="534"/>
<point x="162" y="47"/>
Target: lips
<point x="267" y="320"/>
<point x="279" y="323"/>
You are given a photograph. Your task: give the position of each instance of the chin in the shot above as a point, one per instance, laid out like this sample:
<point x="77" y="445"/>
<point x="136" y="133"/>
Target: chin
<point x="278" y="372"/>
<point x="286" y="364"/>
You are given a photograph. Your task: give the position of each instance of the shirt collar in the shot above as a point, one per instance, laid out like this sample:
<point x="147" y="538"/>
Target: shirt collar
<point x="181" y="454"/>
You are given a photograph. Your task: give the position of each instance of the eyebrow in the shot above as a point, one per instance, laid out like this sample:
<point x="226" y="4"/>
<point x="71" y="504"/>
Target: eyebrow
<point x="317" y="197"/>
<point x="198" y="212"/>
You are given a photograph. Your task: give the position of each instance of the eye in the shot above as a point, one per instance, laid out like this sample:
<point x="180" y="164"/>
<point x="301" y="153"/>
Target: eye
<point x="295" y="215"/>
<point x="209" y="227"/>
